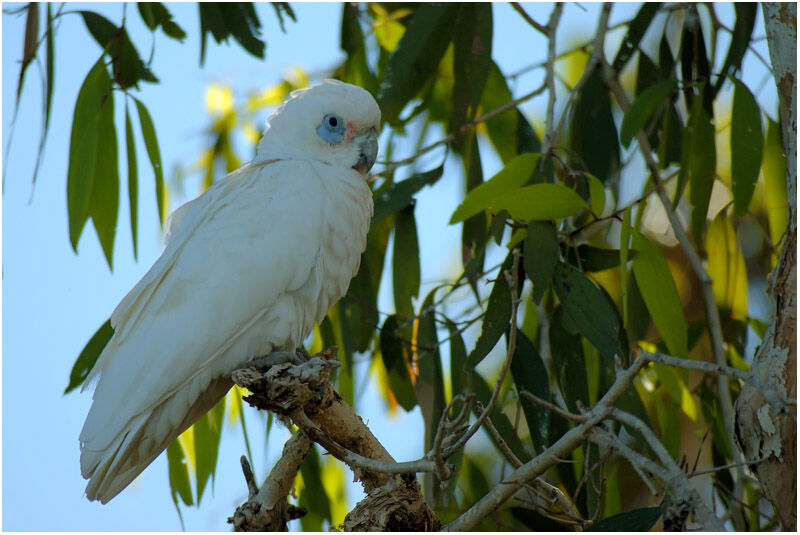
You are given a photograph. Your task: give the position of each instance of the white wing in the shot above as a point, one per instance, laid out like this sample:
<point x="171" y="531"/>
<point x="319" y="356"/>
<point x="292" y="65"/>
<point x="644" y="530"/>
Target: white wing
<point x="248" y="268"/>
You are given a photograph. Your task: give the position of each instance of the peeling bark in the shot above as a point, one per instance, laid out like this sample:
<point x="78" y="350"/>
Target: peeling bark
<point x="764" y="432"/>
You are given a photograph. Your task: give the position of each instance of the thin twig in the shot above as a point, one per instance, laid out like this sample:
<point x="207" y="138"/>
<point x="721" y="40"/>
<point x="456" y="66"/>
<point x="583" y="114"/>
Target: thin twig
<point x="528" y="18"/>
<point x="782" y="404"/>
<point x="513" y="284"/>
<point x="391" y="166"/>
<point x="501" y="443"/>
<point x="553" y="408"/>
<point x="552" y="28"/>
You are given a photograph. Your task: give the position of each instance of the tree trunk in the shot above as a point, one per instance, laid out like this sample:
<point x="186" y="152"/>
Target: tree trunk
<point x="763" y="432"/>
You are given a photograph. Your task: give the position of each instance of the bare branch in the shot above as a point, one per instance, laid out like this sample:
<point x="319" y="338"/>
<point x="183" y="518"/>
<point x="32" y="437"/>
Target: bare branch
<point x="782" y="404"/>
<point x="553" y="408"/>
<point x="573" y="438"/>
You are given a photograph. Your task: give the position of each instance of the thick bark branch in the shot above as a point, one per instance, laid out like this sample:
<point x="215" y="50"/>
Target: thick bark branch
<point x="761" y="431"/>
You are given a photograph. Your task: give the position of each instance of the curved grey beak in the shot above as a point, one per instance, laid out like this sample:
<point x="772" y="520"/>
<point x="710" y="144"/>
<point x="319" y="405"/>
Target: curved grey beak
<point x="368" y="151"/>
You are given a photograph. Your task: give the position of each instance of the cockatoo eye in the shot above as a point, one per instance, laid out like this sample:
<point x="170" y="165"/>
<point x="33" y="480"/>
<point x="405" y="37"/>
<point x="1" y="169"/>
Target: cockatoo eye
<point x="331" y="129"/>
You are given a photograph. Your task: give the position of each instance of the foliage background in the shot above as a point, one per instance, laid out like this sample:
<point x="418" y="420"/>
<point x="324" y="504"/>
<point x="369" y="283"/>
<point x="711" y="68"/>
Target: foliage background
<point x="54" y="299"/>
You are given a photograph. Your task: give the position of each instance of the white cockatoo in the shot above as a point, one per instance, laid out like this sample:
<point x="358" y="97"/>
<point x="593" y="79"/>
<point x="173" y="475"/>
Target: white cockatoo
<point x="248" y="267"/>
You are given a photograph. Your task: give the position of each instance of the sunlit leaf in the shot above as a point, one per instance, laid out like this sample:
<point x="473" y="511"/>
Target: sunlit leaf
<point x="540" y="202"/>
<point x="747" y="142"/>
<point x="660" y="294"/>
<point x="541" y="256"/>
<point x="676" y="389"/>
<point x="178" y="474"/>
<point x="588" y="309"/>
<point x="104" y="199"/>
<point x="597" y="194"/>
<point x="726" y="267"/>
<point x="83" y="148"/>
<point x="85" y="361"/>
<point x="774" y="165"/>
<point x="508" y="179"/>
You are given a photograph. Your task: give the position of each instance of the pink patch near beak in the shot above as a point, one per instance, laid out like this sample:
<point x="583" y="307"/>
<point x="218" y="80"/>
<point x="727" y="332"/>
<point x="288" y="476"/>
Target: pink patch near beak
<point x="351" y="131"/>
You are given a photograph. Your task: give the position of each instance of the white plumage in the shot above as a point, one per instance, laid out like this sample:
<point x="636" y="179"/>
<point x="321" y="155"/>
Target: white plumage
<point x="248" y="267"/>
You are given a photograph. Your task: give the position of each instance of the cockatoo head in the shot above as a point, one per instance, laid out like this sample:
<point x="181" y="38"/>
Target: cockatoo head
<point x="333" y="122"/>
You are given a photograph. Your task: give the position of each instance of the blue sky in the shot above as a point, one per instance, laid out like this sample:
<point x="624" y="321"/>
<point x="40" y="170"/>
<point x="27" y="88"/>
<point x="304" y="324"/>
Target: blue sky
<point x="54" y="299"/>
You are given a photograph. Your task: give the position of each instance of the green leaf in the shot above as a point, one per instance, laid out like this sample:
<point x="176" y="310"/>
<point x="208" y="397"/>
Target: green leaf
<point x="104" y="199"/>
<point x="178" y="474"/>
<point x="700" y="161"/>
<point x="103" y="30"/>
<point x="740" y="40"/>
<point x="588" y="309"/>
<point x="151" y="144"/>
<point x="676" y="389"/>
<point x="590" y="259"/>
<point x="474" y="233"/>
<point x="642" y="108"/>
<point x="529" y="374"/>
<point x="83" y="148"/>
<point x="133" y="178"/>
<point x="726" y="267"/>
<point x="660" y="294"/>
<point x="29" y="43"/>
<point x="515" y="173"/>
<point x="597" y="194"/>
<point x="593" y="135"/>
<point x="127" y="67"/>
<point x="539" y="202"/>
<point x="472" y="59"/>
<point x="230" y="19"/>
<point x="429" y="381"/>
<point x="501" y="422"/>
<point x="502" y="129"/>
<point x="775" y="198"/>
<point x="396" y="360"/>
<point x="636" y="30"/>
<point x="459" y="371"/>
<point x="401" y="194"/>
<point x="634" y="520"/>
<point x="49" y="80"/>
<point x="359" y="312"/>
<point x="747" y="143"/>
<point x="154" y="14"/>
<point x="541" y="256"/>
<point x="314" y="496"/>
<point x="497" y="317"/>
<point x="569" y="365"/>
<point x="416" y="57"/>
<point x="85" y="361"/>
<point x="405" y="261"/>
<point x="207" y="433"/>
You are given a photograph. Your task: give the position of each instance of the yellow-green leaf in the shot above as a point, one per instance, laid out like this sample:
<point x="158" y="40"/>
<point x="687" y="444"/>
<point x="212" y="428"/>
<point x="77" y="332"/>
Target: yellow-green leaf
<point x="660" y="294"/>
<point x="540" y="202"/>
<point x="726" y="267"/>
<point x="511" y="177"/>
<point x="597" y="194"/>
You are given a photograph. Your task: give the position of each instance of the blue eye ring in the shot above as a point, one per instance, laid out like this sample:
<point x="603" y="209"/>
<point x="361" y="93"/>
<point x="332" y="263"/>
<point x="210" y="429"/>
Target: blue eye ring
<point x="331" y="129"/>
